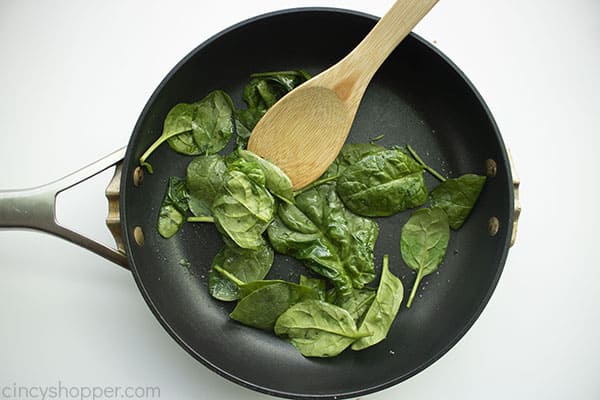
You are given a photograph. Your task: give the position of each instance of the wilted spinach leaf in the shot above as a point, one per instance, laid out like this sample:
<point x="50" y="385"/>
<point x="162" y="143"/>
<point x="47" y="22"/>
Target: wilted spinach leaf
<point x="423" y="243"/>
<point x="173" y="208"/>
<point x="317" y="328"/>
<point x="245" y="264"/>
<point x="204" y="179"/>
<point x="357" y="304"/>
<point x="263" y="306"/>
<point x="382" y="312"/>
<point x="264" y="90"/>
<point x="382" y="184"/>
<point x="332" y="241"/>
<point x="457" y="196"/>
<point x="350" y="154"/>
<point x="276" y="180"/>
<point x="318" y="284"/>
<point x="197" y="128"/>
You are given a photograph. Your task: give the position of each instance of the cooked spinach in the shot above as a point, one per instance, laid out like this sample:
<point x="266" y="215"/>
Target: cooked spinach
<point x="332" y="241"/>
<point x="382" y="184"/>
<point x="318" y="284"/>
<point x="197" y="128"/>
<point x="276" y="180"/>
<point x="264" y="90"/>
<point x="204" y="180"/>
<point x="317" y="328"/>
<point x="246" y="264"/>
<point x="173" y="208"/>
<point x="261" y="307"/>
<point x="383" y="309"/>
<point x="324" y="224"/>
<point x="423" y="243"/>
<point x="457" y="196"/>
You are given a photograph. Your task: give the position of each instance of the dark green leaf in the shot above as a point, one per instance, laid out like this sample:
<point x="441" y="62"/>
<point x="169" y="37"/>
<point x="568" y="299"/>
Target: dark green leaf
<point x="197" y="128"/>
<point x="457" y="197"/>
<point x="213" y="122"/>
<point x="317" y="328"/>
<point x="350" y="154"/>
<point x="173" y="208"/>
<point x="263" y="306"/>
<point x="246" y="264"/>
<point x="382" y="184"/>
<point x="204" y="179"/>
<point x="333" y="241"/>
<point x="318" y="284"/>
<point x="382" y="311"/>
<point x="423" y="243"/>
<point x="275" y="179"/>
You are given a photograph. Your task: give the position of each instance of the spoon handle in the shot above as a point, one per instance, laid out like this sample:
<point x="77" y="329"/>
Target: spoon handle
<point x="392" y="28"/>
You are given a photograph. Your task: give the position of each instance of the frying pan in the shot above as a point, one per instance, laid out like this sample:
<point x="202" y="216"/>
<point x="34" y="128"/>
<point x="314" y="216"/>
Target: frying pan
<point x="418" y="97"/>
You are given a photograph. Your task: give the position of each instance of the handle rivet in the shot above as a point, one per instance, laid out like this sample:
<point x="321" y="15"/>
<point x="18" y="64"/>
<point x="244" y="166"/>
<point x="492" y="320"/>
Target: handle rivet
<point x="138" y="235"/>
<point x="138" y="176"/>
<point x="490" y="167"/>
<point x="493" y="226"/>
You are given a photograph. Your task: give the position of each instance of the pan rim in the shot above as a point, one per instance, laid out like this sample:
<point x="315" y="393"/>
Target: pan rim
<point x="129" y="242"/>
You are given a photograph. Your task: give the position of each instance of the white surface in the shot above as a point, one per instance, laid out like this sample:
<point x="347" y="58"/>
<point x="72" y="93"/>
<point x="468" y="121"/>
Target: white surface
<point x="74" y="77"/>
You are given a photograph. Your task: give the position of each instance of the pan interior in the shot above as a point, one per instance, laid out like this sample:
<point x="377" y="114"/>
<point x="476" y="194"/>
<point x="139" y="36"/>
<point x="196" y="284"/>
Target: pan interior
<point x="418" y="98"/>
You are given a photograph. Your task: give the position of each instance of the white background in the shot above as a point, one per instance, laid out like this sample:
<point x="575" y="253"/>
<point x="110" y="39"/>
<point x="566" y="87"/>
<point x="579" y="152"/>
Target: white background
<point x="74" y="76"/>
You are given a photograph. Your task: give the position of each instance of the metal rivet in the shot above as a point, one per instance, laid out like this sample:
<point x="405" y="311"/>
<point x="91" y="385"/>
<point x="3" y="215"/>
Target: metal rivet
<point x="138" y="235"/>
<point x="138" y="176"/>
<point x="493" y="226"/>
<point x="490" y="167"/>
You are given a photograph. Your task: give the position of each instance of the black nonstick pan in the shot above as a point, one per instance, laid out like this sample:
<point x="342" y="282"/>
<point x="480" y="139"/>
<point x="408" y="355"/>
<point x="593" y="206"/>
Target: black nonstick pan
<point x="418" y="97"/>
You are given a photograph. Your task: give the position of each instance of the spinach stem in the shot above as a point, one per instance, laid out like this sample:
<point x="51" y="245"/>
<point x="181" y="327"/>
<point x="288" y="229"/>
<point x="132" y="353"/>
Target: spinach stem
<point x="228" y="275"/>
<point x="315" y="184"/>
<point x="154" y="146"/>
<point x="376" y="138"/>
<point x="413" y="292"/>
<point x="427" y="167"/>
<point x="200" y="219"/>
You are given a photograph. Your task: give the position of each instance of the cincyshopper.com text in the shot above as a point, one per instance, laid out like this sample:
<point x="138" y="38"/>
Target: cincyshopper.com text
<point x="61" y="391"/>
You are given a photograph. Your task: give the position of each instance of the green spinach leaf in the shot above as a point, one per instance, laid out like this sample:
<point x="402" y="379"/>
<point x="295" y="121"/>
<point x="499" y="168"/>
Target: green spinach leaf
<point x="317" y="328"/>
<point x="192" y="129"/>
<point x="173" y="208"/>
<point x="382" y="184"/>
<point x="457" y="196"/>
<point x="382" y="312"/>
<point x="318" y="284"/>
<point x="261" y="307"/>
<point x="276" y="180"/>
<point x="357" y="304"/>
<point x="332" y="241"/>
<point x="423" y="243"/>
<point x="350" y="154"/>
<point x="246" y="264"/>
<point x="204" y="179"/>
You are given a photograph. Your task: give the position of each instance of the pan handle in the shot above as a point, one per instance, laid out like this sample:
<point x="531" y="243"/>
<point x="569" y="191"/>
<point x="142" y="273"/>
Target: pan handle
<point x="35" y="208"/>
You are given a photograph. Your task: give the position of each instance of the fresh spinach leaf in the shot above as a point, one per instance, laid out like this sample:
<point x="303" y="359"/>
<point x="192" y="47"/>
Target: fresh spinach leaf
<point x="332" y="241"/>
<point x="350" y="154"/>
<point x="357" y="304"/>
<point x="457" y="196"/>
<point x="423" y="243"/>
<point x="246" y="264"/>
<point x="382" y="184"/>
<point x="317" y="328"/>
<point x="276" y="180"/>
<point x="382" y="311"/>
<point x="173" y="208"/>
<point x="204" y="179"/>
<point x="318" y="284"/>
<point x="261" y="307"/>
<point x="197" y="128"/>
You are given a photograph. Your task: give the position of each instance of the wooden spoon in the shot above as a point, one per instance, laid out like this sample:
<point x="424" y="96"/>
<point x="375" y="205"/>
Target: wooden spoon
<point x="305" y="130"/>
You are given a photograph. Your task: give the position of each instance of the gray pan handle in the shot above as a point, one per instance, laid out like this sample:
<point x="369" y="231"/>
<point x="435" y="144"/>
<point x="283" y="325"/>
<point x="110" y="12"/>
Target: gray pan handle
<point x="35" y="208"/>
